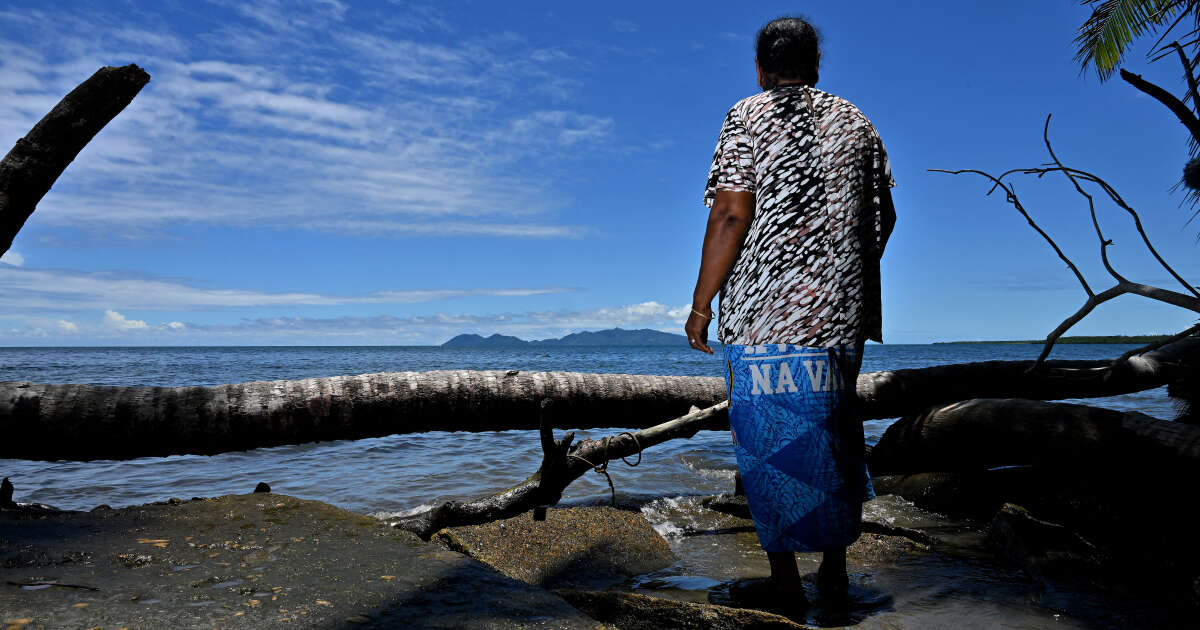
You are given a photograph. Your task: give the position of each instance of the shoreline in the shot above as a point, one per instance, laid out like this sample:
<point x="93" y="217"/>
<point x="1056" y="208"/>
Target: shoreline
<point x="273" y="561"/>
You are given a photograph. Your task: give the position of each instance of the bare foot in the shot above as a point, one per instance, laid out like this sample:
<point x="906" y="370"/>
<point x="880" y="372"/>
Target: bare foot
<point x="832" y="581"/>
<point x="785" y="596"/>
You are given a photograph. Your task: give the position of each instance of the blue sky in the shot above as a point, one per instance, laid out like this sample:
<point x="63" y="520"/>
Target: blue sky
<point x="335" y="172"/>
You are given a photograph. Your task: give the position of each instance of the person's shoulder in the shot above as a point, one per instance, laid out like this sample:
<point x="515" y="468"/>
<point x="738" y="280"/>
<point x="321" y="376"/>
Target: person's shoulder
<point x="750" y="102"/>
<point x="842" y="107"/>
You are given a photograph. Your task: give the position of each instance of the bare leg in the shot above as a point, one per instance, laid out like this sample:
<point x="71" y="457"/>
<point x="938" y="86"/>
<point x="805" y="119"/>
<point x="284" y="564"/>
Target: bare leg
<point x="783" y="567"/>
<point x="832" y="580"/>
<point x="786" y="578"/>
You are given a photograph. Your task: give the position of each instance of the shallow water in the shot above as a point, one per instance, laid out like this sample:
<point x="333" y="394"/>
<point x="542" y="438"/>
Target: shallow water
<point x="401" y="473"/>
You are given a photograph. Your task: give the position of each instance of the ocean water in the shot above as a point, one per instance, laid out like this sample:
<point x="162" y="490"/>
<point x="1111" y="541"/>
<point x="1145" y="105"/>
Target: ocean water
<point x="399" y="474"/>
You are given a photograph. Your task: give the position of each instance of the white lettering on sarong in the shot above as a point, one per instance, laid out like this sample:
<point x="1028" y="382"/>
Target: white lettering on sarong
<point x="816" y="375"/>
<point x="760" y="378"/>
<point x="785" y="384"/>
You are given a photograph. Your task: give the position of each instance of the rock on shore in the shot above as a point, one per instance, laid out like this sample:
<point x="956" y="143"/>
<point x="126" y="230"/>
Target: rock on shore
<point x="580" y="547"/>
<point x="251" y="561"/>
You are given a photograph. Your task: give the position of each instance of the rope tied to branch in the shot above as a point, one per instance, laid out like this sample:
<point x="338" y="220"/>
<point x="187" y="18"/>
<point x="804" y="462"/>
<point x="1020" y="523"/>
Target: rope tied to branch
<point x="602" y="467"/>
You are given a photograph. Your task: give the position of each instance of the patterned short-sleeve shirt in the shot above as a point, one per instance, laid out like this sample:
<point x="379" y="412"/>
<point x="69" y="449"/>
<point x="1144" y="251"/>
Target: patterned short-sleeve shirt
<point x="808" y="272"/>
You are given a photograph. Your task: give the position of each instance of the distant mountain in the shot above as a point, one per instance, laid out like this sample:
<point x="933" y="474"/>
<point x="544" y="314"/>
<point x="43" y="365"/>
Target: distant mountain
<point x="611" y="337"/>
<point x="477" y="341"/>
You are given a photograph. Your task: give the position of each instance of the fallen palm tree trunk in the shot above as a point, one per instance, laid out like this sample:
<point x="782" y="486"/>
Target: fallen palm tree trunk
<point x="36" y="161"/>
<point x="903" y="392"/>
<point x="976" y="435"/>
<point x="84" y="422"/>
<point x="562" y="463"/>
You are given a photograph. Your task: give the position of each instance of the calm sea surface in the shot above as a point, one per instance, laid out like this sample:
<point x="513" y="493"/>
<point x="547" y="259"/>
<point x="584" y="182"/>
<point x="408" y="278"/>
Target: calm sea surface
<point x="402" y="473"/>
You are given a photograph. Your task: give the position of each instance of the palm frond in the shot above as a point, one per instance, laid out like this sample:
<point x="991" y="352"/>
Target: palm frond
<point x="1166" y="31"/>
<point x="1114" y="24"/>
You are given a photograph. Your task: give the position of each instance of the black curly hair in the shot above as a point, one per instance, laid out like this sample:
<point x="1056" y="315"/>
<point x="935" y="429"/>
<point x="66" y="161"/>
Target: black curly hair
<point x="788" y="48"/>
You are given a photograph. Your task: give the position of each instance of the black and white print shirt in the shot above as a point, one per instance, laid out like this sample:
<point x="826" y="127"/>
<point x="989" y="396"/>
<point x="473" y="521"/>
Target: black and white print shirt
<point x="808" y="272"/>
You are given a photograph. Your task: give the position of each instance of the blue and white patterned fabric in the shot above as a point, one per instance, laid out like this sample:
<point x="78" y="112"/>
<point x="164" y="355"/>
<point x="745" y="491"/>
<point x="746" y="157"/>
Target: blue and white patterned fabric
<point x="799" y="444"/>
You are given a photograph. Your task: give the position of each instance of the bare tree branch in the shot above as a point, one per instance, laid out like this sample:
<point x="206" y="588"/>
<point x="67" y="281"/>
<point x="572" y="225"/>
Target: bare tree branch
<point x="1104" y="243"/>
<point x="1122" y="286"/>
<point x="1176" y="106"/>
<point x="1137" y="220"/>
<point x="1011" y="198"/>
<point x="1088" y="306"/>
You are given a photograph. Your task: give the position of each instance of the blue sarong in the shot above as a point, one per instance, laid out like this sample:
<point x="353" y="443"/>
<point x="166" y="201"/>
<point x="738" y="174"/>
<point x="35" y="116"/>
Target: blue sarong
<point x="799" y="444"/>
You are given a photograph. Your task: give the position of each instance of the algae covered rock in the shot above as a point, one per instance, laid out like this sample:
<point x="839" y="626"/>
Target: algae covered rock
<point x="256" y="561"/>
<point x="585" y="546"/>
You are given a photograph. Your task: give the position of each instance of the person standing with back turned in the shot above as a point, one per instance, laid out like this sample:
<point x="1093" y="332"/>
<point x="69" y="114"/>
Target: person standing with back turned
<point x="801" y="209"/>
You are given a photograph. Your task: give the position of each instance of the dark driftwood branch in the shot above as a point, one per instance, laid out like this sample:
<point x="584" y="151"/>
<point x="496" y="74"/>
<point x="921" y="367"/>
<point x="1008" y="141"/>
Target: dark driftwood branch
<point x="1176" y="106"/>
<point x="560" y="467"/>
<point x="36" y="161"/>
<point x="1157" y="344"/>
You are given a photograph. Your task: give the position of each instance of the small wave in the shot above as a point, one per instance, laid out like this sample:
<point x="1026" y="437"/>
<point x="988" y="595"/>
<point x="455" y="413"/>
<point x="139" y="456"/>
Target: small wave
<point x="671" y="517"/>
<point x="385" y="515"/>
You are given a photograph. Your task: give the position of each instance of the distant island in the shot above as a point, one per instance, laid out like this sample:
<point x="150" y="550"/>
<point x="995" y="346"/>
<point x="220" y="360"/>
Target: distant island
<point x="1142" y="339"/>
<point x="611" y="337"/>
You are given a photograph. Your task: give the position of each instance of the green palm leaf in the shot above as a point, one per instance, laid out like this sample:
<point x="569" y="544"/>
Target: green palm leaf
<point x="1115" y="23"/>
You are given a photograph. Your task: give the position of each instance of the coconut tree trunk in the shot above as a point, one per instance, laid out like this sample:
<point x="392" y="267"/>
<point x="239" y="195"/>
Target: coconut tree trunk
<point x="977" y="435"/>
<point x="84" y="422"/>
<point x="36" y="161"/>
<point x="903" y="392"/>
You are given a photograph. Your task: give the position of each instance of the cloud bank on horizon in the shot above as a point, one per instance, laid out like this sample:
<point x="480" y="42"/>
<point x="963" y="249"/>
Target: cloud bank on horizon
<point x="396" y="172"/>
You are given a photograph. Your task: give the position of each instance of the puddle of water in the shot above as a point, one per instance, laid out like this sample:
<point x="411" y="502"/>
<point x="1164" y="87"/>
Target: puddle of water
<point x="957" y="584"/>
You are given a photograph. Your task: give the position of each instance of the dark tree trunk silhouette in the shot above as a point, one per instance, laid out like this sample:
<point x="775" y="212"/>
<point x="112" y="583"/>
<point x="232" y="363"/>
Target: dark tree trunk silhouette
<point x="36" y="161"/>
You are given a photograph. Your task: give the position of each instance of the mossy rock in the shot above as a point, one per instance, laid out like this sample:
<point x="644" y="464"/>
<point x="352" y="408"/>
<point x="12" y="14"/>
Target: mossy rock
<point x="587" y="546"/>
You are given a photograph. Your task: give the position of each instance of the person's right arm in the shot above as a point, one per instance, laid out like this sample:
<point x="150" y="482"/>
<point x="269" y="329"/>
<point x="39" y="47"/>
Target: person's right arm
<point x="728" y="222"/>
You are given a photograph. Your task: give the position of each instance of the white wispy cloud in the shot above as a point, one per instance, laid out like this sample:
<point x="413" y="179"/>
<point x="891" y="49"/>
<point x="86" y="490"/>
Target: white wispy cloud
<point x="40" y="290"/>
<point x="389" y="128"/>
<point x="12" y="258"/>
<point x="625" y="26"/>
<point x="443" y="228"/>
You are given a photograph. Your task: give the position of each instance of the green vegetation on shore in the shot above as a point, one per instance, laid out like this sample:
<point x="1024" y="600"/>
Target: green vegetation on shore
<point x="1083" y="339"/>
